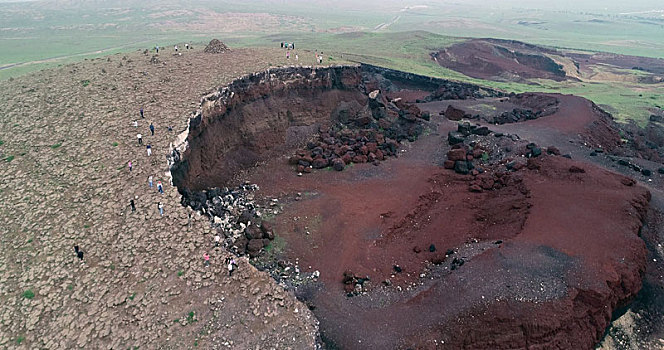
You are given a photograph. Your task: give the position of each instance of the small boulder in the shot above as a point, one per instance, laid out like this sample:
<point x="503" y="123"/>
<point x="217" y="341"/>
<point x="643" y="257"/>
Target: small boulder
<point x="245" y="217"/>
<point x="456" y="154"/>
<point x="338" y="164"/>
<point x="253" y="232"/>
<point x="320" y="163"/>
<point x="481" y="131"/>
<point x="453" y="113"/>
<point x="576" y="170"/>
<point x="464" y="128"/>
<point x="553" y="150"/>
<point x="454" y="137"/>
<point x="463" y="167"/>
<point x="254" y="247"/>
<point x="475" y="189"/>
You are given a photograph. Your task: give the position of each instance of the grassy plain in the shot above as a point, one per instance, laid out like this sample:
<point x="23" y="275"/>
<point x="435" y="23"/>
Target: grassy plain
<point x="399" y="35"/>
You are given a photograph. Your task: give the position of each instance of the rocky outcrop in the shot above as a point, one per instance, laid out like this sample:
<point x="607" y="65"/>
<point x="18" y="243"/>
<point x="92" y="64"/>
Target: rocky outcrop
<point x="258" y="116"/>
<point x="277" y="111"/>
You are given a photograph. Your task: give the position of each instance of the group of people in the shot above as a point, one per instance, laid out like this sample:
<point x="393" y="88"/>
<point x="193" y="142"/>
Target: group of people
<point x="288" y="46"/>
<point x="231" y="264"/>
<point x="175" y="47"/>
<point x="148" y="147"/>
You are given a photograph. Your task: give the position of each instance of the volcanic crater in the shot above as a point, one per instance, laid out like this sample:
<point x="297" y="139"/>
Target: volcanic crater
<point x="412" y="230"/>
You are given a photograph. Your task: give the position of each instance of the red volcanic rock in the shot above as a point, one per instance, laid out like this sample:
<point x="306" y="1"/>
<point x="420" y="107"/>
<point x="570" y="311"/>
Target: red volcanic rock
<point x="475" y="188"/>
<point x="449" y="164"/>
<point x="456" y="154"/>
<point x="254" y="247"/>
<point x="553" y="150"/>
<point x="338" y="164"/>
<point x="253" y="232"/>
<point x="453" y="113"/>
<point x="320" y="163"/>
<point x="360" y="159"/>
<point x="576" y="169"/>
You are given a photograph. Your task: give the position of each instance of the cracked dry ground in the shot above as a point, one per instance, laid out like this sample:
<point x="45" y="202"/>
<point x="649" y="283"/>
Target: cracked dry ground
<point x="142" y="281"/>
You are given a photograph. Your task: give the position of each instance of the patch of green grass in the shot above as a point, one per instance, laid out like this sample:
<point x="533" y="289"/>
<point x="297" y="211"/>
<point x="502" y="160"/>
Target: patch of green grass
<point x="20" y="339"/>
<point x="30" y="240"/>
<point x="115" y="144"/>
<point x="9" y="159"/>
<point x="177" y="320"/>
<point x="86" y="226"/>
<point x="276" y="246"/>
<point x="180" y="273"/>
<point x="132" y="296"/>
<point x="70" y="287"/>
<point x="196" y="343"/>
<point x="85" y="82"/>
<point x="57" y="145"/>
<point x="112" y="267"/>
<point x="2" y="142"/>
<point x="190" y="317"/>
<point x="28" y="294"/>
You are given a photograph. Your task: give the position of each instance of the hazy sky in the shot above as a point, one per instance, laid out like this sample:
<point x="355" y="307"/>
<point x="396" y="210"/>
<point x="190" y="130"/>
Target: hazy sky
<point x="611" y="5"/>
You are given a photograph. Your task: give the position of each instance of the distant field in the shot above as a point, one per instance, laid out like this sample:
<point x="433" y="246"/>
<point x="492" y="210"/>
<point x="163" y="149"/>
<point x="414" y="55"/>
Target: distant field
<point x="398" y="35"/>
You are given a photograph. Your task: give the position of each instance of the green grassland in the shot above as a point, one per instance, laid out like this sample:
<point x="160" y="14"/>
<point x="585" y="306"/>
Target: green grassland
<point x="399" y="35"/>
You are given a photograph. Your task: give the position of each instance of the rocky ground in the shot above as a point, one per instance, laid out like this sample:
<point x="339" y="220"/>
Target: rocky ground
<point x="65" y="142"/>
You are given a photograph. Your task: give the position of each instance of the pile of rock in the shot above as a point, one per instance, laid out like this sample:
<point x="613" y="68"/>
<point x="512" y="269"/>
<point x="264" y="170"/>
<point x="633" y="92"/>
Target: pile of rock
<point x="637" y="168"/>
<point x="355" y="285"/>
<point x="464" y="130"/>
<point x="235" y="214"/>
<point x="516" y="115"/>
<point x="337" y="149"/>
<point x="475" y="156"/>
<point x="365" y="134"/>
<point x="216" y="46"/>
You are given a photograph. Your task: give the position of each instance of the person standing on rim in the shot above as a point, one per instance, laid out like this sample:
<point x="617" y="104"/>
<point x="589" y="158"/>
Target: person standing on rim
<point x="161" y="208"/>
<point x="150" y="181"/>
<point x="141" y="111"/>
<point x="79" y="253"/>
<point x="152" y="129"/>
<point x="140" y="139"/>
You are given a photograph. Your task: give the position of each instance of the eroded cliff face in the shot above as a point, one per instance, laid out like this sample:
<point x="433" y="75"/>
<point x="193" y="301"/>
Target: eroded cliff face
<point x="260" y="116"/>
<point x="271" y="113"/>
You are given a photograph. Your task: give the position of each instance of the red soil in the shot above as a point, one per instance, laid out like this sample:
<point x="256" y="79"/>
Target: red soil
<point x="498" y="60"/>
<point x="570" y="255"/>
